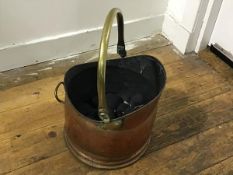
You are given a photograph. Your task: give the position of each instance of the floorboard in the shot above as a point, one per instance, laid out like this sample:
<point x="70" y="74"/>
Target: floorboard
<point x="192" y="134"/>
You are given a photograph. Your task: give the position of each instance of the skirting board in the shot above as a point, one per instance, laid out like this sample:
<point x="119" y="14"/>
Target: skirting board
<point x="222" y="54"/>
<point x="70" y="44"/>
<point x="53" y="68"/>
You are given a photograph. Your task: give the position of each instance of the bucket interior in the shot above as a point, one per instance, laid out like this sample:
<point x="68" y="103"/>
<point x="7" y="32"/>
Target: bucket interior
<point x="130" y="84"/>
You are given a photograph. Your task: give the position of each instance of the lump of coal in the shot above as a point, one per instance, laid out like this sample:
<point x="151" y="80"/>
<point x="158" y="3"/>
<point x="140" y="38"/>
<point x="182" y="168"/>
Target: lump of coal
<point x="118" y="104"/>
<point x="123" y="109"/>
<point x="125" y="95"/>
<point x="136" y="100"/>
<point x="94" y="101"/>
<point x="87" y="110"/>
<point x="113" y="100"/>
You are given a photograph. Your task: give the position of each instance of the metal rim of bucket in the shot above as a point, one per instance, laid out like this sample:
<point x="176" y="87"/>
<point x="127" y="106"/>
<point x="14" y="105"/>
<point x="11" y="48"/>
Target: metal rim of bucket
<point x="119" y="118"/>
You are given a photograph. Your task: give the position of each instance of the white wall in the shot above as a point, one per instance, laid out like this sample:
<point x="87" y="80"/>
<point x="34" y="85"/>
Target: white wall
<point x="183" y="22"/>
<point x="37" y="30"/>
<point x="223" y="30"/>
<point x="184" y="12"/>
<point x="173" y="26"/>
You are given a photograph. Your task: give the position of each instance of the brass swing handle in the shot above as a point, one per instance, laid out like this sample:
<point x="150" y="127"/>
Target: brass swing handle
<point x="115" y="12"/>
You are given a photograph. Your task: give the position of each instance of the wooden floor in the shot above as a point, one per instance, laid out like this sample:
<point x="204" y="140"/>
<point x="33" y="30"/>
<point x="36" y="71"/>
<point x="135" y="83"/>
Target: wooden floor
<point x="192" y="134"/>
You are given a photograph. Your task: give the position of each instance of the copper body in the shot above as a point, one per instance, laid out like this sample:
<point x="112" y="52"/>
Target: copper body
<point x="111" y="142"/>
<point x="109" y="148"/>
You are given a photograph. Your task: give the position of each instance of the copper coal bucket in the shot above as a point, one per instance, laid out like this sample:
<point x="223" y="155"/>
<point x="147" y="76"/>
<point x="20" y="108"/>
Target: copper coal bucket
<point x="108" y="121"/>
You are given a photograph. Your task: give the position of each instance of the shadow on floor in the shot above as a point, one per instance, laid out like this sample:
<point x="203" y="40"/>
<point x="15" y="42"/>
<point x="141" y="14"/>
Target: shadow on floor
<point x="177" y="125"/>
